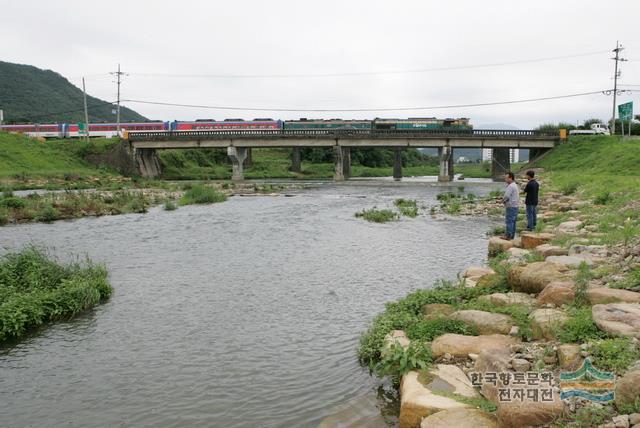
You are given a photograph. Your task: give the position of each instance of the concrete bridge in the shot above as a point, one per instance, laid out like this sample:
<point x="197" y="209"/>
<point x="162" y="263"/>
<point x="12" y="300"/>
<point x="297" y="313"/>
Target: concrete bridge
<point x="239" y="143"/>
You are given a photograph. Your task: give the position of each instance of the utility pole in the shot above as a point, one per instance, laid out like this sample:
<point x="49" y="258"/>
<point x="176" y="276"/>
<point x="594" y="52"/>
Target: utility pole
<point x="118" y="75"/>
<point x="86" y="112"/>
<point x="616" y="74"/>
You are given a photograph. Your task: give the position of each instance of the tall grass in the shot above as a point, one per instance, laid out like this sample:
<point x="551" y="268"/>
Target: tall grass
<point x="200" y="194"/>
<point x="36" y="289"/>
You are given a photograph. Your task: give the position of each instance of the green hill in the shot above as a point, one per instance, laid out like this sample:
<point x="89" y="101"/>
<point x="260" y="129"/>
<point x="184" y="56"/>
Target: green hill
<point x="29" y="94"/>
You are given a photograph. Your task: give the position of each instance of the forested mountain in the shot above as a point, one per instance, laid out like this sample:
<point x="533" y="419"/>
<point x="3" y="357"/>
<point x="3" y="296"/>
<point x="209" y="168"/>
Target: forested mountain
<point x="29" y="94"/>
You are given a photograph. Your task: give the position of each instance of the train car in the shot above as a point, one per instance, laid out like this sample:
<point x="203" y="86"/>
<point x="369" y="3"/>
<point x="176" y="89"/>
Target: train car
<point x="226" y="125"/>
<point x="421" y="123"/>
<point x="304" y="123"/>
<point x="72" y="130"/>
<point x="48" y="130"/>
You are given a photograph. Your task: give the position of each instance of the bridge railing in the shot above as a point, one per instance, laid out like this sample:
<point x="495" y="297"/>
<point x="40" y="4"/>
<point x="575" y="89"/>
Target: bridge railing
<point x="335" y="133"/>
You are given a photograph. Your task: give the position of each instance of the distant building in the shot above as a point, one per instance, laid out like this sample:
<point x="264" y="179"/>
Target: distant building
<point x="514" y="155"/>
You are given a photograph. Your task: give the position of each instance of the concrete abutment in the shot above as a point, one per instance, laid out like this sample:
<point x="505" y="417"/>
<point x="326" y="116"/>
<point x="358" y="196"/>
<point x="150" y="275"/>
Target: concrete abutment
<point x="445" y="154"/>
<point x="500" y="163"/>
<point x="238" y="155"/>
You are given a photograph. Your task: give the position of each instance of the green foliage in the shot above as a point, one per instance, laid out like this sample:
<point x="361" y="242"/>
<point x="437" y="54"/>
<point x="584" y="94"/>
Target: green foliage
<point x="628" y="408"/>
<point x="582" y="285"/>
<point x="47" y="214"/>
<point x="603" y="198"/>
<point x="12" y="202"/>
<point x="29" y="94"/>
<point x="170" y="206"/>
<point x="580" y="327"/>
<point x="398" y="361"/>
<point x="407" y="207"/>
<point x="377" y="216"/>
<point x="480" y="402"/>
<point x="429" y="329"/>
<point x="200" y="194"/>
<point x="614" y="354"/>
<point x="587" y="417"/>
<point x="35" y="289"/>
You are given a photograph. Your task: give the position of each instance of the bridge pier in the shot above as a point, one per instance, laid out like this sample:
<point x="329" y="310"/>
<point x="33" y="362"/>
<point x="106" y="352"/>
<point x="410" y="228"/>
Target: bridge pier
<point x="445" y="154"/>
<point x="147" y="162"/>
<point x="296" y="160"/>
<point x="397" y="164"/>
<point x="346" y="162"/>
<point x="238" y="156"/>
<point x="248" y="162"/>
<point x="338" y="159"/>
<point x="500" y="163"/>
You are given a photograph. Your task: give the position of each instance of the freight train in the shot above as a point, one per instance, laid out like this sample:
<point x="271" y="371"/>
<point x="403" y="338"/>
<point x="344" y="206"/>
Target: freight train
<point x="72" y="130"/>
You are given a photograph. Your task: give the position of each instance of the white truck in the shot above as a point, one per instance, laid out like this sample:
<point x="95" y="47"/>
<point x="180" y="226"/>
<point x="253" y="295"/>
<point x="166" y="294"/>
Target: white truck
<point x="596" y="128"/>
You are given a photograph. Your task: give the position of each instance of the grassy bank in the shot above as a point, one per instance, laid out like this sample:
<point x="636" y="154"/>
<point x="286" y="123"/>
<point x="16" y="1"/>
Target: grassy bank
<point x="36" y="289"/>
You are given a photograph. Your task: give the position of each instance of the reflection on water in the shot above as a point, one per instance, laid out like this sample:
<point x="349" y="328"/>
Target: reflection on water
<point x="240" y="314"/>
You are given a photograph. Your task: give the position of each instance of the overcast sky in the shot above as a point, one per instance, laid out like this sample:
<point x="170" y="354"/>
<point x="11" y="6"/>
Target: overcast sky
<point x="163" y="44"/>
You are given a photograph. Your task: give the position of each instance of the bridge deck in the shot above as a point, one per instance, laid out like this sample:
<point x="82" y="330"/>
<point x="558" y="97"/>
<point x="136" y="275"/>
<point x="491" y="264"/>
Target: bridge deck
<point x="346" y="138"/>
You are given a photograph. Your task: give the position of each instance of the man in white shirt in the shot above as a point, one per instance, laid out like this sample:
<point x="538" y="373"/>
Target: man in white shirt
<point x="511" y="201"/>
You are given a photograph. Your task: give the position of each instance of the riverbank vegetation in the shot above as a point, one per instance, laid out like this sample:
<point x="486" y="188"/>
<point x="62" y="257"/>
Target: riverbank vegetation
<point x="200" y="194"/>
<point x="375" y="215"/>
<point x="574" y="297"/>
<point x="36" y="289"/>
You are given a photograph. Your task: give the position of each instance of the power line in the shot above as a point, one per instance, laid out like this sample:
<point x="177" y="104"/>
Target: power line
<point x="279" y="109"/>
<point x="367" y="73"/>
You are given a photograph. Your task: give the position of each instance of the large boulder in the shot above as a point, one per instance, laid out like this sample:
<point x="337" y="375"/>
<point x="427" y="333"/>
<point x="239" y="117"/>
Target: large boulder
<point x="531" y="240"/>
<point x="558" y="293"/>
<point x="436" y="310"/>
<point x="569" y="261"/>
<point x="591" y="250"/>
<point x="627" y="388"/>
<point x="546" y="322"/>
<point x="529" y="412"/>
<point x="534" y="277"/>
<point x="547" y="250"/>
<point x="459" y="345"/>
<point x="572" y="226"/>
<point x="621" y="319"/>
<point x="517" y="255"/>
<point x="514" y="298"/>
<point x="612" y="295"/>
<point x="484" y="322"/>
<point x="569" y="356"/>
<point x="498" y="245"/>
<point x="492" y="361"/>
<point x="460" y="418"/>
<point x="477" y="272"/>
<point x="420" y="393"/>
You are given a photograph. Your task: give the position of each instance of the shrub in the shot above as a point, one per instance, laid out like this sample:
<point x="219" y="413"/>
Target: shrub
<point x="407" y="207"/>
<point x="13" y="202"/>
<point x="170" y="206"/>
<point x="377" y="216"/>
<point x="47" y="214"/>
<point x="603" y="198"/>
<point x="580" y="327"/>
<point x="398" y="361"/>
<point x="200" y="194"/>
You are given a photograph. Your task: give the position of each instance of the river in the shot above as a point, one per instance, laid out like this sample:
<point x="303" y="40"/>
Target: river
<point x="240" y="314"/>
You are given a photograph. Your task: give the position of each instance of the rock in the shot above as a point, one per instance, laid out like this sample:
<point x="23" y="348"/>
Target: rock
<point x="517" y="254"/>
<point x="498" y="245"/>
<point x="532" y="240"/>
<point x="477" y="272"/>
<point x="436" y="310"/>
<point x="517" y="242"/>
<point x="397" y="337"/>
<point x="473" y="356"/>
<point x="621" y="319"/>
<point x="492" y="361"/>
<point x="484" y="322"/>
<point x="612" y="295"/>
<point x="627" y="388"/>
<point x="534" y="277"/>
<point x="569" y="226"/>
<point x="621" y="421"/>
<point x="595" y="250"/>
<point x="545" y="322"/>
<point x="418" y="393"/>
<point x="634" y="418"/>
<point x="460" y="345"/>
<point x="520" y="364"/>
<point x="515" y="331"/>
<point x="547" y="250"/>
<point x="569" y="261"/>
<point x="558" y="293"/>
<point x="529" y="413"/>
<point x="460" y="418"/>
<point x="469" y="283"/>
<point x="504" y="299"/>
<point x="569" y="356"/>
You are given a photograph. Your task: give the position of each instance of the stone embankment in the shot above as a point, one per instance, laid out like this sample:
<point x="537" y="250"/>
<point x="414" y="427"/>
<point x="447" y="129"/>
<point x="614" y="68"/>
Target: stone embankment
<point x="558" y="277"/>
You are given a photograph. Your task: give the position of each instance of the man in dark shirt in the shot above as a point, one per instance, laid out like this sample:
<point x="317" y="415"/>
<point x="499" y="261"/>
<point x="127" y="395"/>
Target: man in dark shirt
<point x="531" y="200"/>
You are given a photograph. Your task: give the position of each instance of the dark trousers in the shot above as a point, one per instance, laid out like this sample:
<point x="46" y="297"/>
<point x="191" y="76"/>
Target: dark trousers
<point x="532" y="217"/>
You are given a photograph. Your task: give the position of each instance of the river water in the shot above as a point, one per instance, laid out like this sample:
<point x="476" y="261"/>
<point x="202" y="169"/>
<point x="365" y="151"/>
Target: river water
<point x="240" y="314"/>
